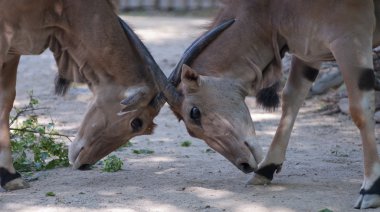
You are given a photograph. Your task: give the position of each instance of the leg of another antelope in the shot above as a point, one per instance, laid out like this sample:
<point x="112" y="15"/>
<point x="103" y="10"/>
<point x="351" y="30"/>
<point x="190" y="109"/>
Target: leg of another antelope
<point x="296" y="89"/>
<point x="9" y="178"/>
<point x="356" y="65"/>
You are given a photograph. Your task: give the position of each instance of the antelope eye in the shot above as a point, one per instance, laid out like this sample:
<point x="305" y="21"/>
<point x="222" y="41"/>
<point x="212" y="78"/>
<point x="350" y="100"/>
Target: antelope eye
<point x="195" y="114"/>
<point x="136" y="124"/>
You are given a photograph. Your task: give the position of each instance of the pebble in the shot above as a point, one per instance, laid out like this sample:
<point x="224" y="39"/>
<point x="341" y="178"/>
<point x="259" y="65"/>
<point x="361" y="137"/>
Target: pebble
<point x="377" y="116"/>
<point x="344" y="106"/>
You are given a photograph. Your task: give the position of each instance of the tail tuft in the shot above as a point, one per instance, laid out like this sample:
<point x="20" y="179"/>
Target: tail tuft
<point x="61" y="85"/>
<point x="268" y="98"/>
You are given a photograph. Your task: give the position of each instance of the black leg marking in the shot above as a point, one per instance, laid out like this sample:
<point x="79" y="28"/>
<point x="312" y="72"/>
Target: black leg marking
<point x="310" y="73"/>
<point x="269" y="170"/>
<point x="375" y="189"/>
<point x="6" y="176"/>
<point x="367" y="80"/>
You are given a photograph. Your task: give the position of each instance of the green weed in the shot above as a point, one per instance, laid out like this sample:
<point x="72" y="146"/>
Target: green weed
<point x="186" y="144"/>
<point x="143" y="151"/>
<point x="34" y="145"/>
<point x="50" y="194"/>
<point x="112" y="164"/>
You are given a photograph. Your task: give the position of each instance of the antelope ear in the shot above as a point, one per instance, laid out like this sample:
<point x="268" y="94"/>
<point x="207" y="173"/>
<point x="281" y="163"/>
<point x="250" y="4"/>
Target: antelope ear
<point x="190" y="78"/>
<point x="135" y="97"/>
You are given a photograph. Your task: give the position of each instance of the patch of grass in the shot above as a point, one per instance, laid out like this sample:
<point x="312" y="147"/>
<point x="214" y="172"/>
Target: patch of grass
<point x="50" y="194"/>
<point x="34" y="145"/>
<point x="186" y="144"/>
<point x="143" y="151"/>
<point x="112" y="164"/>
<point x="127" y="144"/>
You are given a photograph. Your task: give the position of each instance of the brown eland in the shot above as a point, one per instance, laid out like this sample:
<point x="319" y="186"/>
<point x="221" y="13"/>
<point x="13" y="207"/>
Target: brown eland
<point x="91" y="45"/>
<point x="246" y="60"/>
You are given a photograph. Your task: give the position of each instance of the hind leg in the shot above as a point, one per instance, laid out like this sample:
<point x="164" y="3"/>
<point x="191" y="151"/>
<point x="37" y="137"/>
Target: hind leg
<point x="356" y="66"/>
<point x="296" y="89"/>
<point x="9" y="178"/>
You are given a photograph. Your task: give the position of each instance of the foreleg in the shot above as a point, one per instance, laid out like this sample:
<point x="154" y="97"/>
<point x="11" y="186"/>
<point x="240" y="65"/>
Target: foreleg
<point x="9" y="178"/>
<point x="296" y="89"/>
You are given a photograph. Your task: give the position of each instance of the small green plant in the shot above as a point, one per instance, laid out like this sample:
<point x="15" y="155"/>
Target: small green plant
<point x="143" y="151"/>
<point x="50" y="194"/>
<point x="127" y="144"/>
<point x="186" y="144"/>
<point x="112" y="164"/>
<point x="34" y="145"/>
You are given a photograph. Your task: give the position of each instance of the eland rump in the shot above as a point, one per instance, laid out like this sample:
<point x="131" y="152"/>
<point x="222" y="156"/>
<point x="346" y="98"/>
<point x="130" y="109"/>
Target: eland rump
<point x="246" y="60"/>
<point x="90" y="45"/>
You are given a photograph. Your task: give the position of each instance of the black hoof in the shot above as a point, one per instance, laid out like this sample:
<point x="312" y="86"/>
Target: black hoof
<point x="269" y="170"/>
<point x="11" y="181"/>
<point x="369" y="198"/>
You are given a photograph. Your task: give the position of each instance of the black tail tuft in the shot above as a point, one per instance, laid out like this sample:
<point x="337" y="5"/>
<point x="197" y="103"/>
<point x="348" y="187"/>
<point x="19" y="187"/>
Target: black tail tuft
<point x="268" y="97"/>
<point x="61" y="85"/>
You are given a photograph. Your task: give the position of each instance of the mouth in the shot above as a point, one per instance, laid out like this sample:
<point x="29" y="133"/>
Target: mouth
<point x="256" y="150"/>
<point x="251" y="164"/>
<point x="246" y="157"/>
<point x="85" y="167"/>
<point x="77" y="164"/>
<point x="75" y="151"/>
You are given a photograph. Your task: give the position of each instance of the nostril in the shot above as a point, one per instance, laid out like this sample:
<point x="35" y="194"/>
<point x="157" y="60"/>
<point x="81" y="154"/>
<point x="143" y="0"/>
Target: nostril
<point x="85" y="167"/>
<point x="246" y="168"/>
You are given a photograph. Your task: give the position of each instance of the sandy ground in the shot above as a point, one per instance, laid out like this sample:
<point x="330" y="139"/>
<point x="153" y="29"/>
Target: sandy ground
<point x="323" y="168"/>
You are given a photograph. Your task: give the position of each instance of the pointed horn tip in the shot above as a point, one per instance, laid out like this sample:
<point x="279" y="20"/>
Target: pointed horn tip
<point x="231" y="21"/>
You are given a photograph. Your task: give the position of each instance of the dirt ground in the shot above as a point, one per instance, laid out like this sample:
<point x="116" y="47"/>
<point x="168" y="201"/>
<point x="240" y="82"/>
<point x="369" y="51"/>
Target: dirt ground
<point x="323" y="168"/>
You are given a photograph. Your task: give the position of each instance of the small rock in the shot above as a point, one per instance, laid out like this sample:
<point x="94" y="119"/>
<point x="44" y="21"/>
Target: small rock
<point x="344" y="106"/>
<point x="330" y="79"/>
<point x="377" y="116"/>
<point x="377" y="100"/>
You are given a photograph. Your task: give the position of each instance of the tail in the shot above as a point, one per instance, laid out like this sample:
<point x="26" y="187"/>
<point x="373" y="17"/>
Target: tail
<point x="61" y="85"/>
<point x="268" y="98"/>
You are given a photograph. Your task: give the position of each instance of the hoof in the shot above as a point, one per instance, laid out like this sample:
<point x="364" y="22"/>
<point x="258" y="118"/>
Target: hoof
<point x="369" y="198"/>
<point x="264" y="175"/>
<point x="269" y="170"/>
<point x="368" y="201"/>
<point x="259" y="180"/>
<point x="11" y="181"/>
<point x="16" y="184"/>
